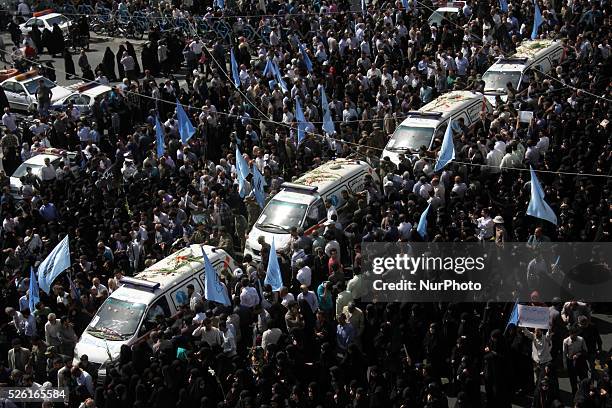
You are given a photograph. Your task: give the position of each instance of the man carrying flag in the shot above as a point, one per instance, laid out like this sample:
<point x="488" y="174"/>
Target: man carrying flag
<point x="34" y="297"/>
<point x="214" y="289"/>
<point x="537" y="20"/>
<point x="273" y="274"/>
<point x="55" y="263"/>
<point x="186" y="129"/>
<point x="537" y="206"/>
<point x="447" y="152"/>
<point x="159" y="138"/>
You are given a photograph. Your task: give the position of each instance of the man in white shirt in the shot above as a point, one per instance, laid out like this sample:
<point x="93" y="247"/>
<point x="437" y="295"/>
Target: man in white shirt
<point x="462" y="64"/>
<point x="209" y="334"/>
<point x="310" y="298"/>
<point x="9" y="120"/>
<point x="83" y="379"/>
<point x="47" y="173"/>
<point x="485" y="226"/>
<point x="52" y="331"/>
<point x="304" y="275"/>
<point x="196" y="47"/>
<point x="229" y="341"/>
<point x="248" y="294"/>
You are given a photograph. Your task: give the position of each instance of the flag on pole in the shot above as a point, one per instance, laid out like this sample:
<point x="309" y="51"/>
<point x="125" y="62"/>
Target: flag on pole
<point x="364" y="8"/>
<point x="242" y="170"/>
<point x="34" y="296"/>
<point x="422" y="227"/>
<point x="258" y="187"/>
<point x="328" y="123"/>
<point x="159" y="138"/>
<point x="503" y="6"/>
<point x="235" y="74"/>
<point x="537" y="206"/>
<point x="186" y="129"/>
<point x="268" y="68"/>
<point x="74" y="291"/>
<point x="305" y="56"/>
<point x="273" y="274"/>
<point x="514" y="316"/>
<point x="537" y="20"/>
<point x="301" y="120"/>
<point x="55" y="263"/>
<point x="279" y="77"/>
<point x="405" y="4"/>
<point x="447" y="152"/>
<point x="213" y="288"/>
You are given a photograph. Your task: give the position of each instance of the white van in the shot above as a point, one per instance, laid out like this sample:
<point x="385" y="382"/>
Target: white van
<point x="542" y="55"/>
<point x="302" y="203"/>
<point x="421" y="127"/>
<point x="130" y="311"/>
<point x="449" y="11"/>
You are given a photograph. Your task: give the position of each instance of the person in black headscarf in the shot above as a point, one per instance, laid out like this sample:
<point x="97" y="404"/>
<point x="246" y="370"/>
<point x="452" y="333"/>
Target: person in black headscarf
<point x="57" y="38"/>
<point x="108" y="64"/>
<point x="37" y="39"/>
<point x="131" y="51"/>
<point x="147" y="58"/>
<point x="47" y="41"/>
<point x="118" y="57"/>
<point x="68" y="64"/>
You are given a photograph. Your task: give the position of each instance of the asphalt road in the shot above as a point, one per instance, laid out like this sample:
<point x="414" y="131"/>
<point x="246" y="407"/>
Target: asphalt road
<point x="95" y="55"/>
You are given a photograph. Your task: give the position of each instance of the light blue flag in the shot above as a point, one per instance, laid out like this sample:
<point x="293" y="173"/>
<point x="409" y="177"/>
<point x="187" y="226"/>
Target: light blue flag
<point x="364" y="8"/>
<point x="503" y="5"/>
<point x="279" y="77"/>
<point x="537" y="20"/>
<point x="328" y="123"/>
<point x="301" y="120"/>
<point x="74" y="291"/>
<point x="273" y="274"/>
<point x="55" y="263"/>
<point x="269" y="69"/>
<point x="305" y="56"/>
<point x="258" y="187"/>
<point x="159" y="138"/>
<point x="514" y="316"/>
<point x="537" y="206"/>
<point x="214" y="290"/>
<point x="235" y="74"/>
<point x="242" y="168"/>
<point x="405" y="4"/>
<point x="447" y="152"/>
<point x="186" y="129"/>
<point x="34" y="291"/>
<point x="422" y="227"/>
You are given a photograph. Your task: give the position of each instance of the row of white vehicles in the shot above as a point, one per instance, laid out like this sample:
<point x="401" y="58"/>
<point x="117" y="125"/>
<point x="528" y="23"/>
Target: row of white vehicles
<point x="421" y="127"/>
<point x="130" y="312"/>
<point x="20" y="91"/>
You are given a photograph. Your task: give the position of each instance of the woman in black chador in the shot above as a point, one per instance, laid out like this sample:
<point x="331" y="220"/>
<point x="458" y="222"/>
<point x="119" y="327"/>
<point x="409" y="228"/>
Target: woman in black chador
<point x="132" y="52"/>
<point x="68" y="64"/>
<point x="118" y="57"/>
<point x="108" y="63"/>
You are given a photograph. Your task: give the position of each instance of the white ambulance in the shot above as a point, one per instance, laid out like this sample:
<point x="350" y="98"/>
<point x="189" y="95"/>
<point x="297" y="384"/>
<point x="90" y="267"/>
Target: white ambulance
<point x="302" y="202"/>
<point x="541" y="55"/>
<point x="421" y="127"/>
<point x="130" y="312"/>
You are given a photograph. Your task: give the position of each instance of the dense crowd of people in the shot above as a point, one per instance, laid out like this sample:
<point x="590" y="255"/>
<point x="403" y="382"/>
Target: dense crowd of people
<point x="315" y="343"/>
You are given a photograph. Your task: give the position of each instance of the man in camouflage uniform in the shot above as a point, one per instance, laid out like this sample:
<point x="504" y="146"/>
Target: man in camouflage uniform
<point x="226" y="242"/>
<point x="240" y="228"/>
